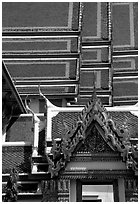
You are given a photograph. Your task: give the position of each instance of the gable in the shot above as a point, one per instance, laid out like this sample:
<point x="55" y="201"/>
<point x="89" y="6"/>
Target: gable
<point x="94" y="132"/>
<point x="94" y="142"/>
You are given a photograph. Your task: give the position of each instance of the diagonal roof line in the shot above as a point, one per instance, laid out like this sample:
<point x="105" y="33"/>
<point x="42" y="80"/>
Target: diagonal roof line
<point x="8" y="78"/>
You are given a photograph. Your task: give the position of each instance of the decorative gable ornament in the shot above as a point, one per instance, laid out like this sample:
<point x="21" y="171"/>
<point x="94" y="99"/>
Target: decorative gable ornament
<point x="117" y="139"/>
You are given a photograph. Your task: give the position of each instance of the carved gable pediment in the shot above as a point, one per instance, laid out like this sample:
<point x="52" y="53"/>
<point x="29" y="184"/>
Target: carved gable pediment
<point x="94" y="132"/>
<point x="94" y="143"/>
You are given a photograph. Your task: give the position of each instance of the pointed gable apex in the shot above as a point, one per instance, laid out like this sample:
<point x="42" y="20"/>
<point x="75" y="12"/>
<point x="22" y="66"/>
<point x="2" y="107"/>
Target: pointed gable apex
<point x="94" y="142"/>
<point x="93" y="113"/>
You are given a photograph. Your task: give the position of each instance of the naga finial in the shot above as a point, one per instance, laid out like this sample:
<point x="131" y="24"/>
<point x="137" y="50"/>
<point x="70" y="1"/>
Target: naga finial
<point x="35" y="118"/>
<point x="41" y="94"/>
<point x="26" y="105"/>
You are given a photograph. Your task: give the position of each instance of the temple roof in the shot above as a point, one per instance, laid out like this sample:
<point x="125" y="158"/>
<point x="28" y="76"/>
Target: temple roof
<point x="65" y="120"/>
<point x="67" y="129"/>
<point x="113" y="132"/>
<point x="117" y="129"/>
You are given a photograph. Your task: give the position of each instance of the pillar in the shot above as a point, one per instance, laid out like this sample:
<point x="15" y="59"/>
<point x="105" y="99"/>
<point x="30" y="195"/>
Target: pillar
<point x="78" y="191"/>
<point x="4" y="137"/>
<point x="63" y="190"/>
<point x="121" y="190"/>
<point x="36" y="122"/>
<point x="72" y="191"/>
<point x="50" y="191"/>
<point x="36" y="136"/>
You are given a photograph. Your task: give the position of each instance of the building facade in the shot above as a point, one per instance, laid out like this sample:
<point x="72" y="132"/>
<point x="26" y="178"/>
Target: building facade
<point x="61" y="136"/>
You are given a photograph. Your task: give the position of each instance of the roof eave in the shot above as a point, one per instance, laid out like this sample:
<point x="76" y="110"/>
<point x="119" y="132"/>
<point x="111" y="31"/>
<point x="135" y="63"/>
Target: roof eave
<point x="13" y="88"/>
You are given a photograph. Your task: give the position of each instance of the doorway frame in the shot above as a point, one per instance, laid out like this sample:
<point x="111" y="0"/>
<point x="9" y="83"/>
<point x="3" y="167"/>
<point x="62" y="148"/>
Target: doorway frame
<point x="113" y="182"/>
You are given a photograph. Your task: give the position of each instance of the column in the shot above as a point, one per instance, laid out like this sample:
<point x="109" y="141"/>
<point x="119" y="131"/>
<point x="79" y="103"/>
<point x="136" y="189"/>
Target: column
<point x="50" y="191"/>
<point x="72" y="191"/>
<point x="36" y="135"/>
<point x="63" y="190"/>
<point x="36" y="122"/>
<point x="121" y="189"/>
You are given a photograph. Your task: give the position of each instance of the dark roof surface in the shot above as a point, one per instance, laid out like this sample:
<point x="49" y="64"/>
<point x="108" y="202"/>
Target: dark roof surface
<point x="16" y="157"/>
<point x="126" y="119"/>
<point x="64" y="121"/>
<point x="22" y="130"/>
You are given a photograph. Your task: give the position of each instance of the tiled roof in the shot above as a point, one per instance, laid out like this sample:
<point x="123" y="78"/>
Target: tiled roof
<point x="116" y="136"/>
<point x="65" y="120"/>
<point x="16" y="157"/>
<point x="26" y="125"/>
<point x="127" y="119"/>
<point x="73" y="125"/>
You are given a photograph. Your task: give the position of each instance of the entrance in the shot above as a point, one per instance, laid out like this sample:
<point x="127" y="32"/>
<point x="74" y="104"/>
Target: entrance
<point x="98" y="191"/>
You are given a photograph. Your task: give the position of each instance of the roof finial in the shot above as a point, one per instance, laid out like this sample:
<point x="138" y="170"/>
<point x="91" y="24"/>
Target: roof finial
<point x="26" y="105"/>
<point x="35" y="118"/>
<point x="47" y="102"/>
<point x="41" y="94"/>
